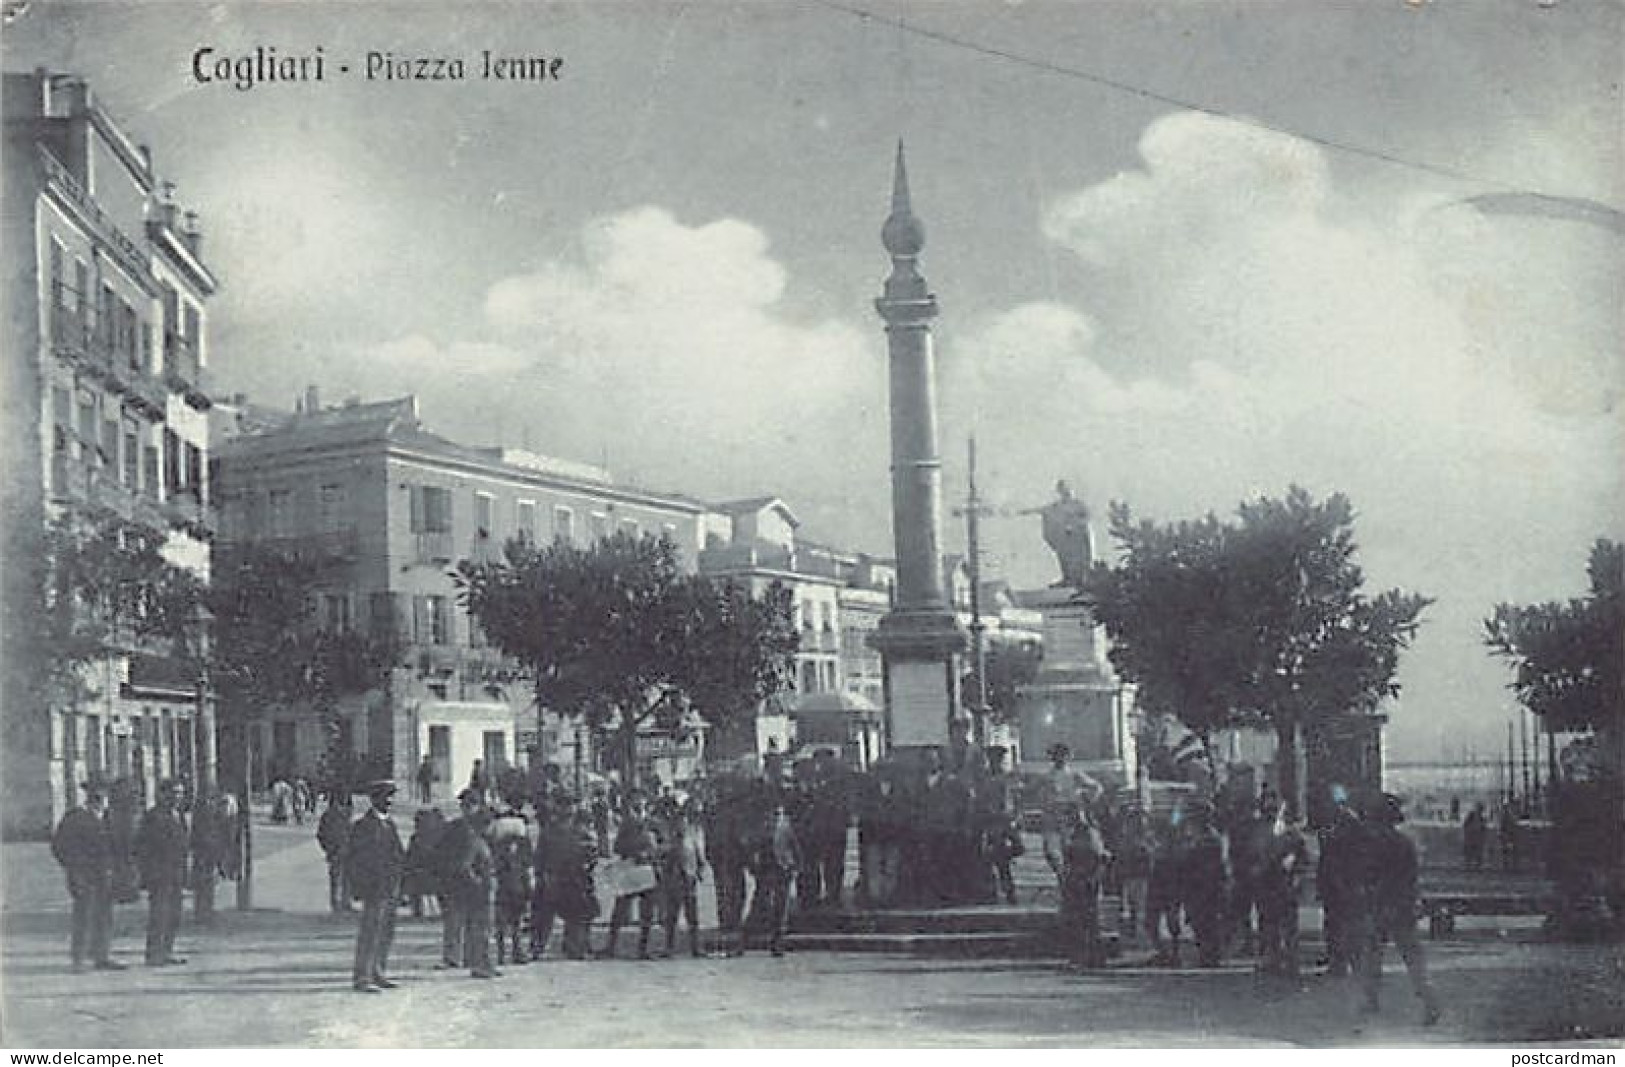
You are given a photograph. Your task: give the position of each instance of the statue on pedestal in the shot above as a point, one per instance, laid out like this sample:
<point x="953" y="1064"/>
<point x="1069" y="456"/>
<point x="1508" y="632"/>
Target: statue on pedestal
<point x="1066" y="531"/>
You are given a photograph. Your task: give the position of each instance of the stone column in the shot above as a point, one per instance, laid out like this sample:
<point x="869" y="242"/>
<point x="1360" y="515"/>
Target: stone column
<point x="920" y="640"/>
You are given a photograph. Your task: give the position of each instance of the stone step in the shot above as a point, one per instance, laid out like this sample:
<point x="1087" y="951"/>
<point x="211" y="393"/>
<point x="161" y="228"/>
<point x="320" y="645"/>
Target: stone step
<point x="986" y="919"/>
<point x="963" y="945"/>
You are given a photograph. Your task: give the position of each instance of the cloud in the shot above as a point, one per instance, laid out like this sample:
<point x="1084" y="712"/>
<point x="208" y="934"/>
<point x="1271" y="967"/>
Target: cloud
<point x="671" y="351"/>
<point x="1243" y="326"/>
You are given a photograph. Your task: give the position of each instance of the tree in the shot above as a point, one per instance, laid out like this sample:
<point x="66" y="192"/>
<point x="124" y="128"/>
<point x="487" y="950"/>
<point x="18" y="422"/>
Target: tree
<point x="1259" y="622"/>
<point x="616" y="634"/>
<point x="1012" y="662"/>
<point x="1568" y="655"/>
<point x="106" y="589"/>
<point x="269" y="652"/>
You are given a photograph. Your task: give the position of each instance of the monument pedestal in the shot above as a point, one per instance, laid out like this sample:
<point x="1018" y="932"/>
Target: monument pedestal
<point x="921" y="655"/>
<point x="1077" y="699"/>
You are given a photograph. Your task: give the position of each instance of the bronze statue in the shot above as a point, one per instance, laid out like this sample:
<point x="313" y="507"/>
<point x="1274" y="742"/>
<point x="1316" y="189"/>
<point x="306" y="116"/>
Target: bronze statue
<point x="1066" y="531"/>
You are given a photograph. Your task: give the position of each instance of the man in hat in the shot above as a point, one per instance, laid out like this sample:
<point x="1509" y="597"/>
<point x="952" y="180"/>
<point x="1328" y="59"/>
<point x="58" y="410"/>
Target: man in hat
<point x="1389" y="891"/>
<point x="83" y="846"/>
<point x="468" y="873"/>
<point x="161" y="848"/>
<point x="374" y="862"/>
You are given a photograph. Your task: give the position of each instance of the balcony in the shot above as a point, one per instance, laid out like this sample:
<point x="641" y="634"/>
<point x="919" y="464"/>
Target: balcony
<point x="330" y="548"/>
<point x="432" y="548"/>
<point x="148" y="393"/>
<point x="183" y="370"/>
<point x="103" y="494"/>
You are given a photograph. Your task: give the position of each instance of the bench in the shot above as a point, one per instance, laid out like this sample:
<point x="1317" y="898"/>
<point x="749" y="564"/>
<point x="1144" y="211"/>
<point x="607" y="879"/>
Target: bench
<point x="1441" y="908"/>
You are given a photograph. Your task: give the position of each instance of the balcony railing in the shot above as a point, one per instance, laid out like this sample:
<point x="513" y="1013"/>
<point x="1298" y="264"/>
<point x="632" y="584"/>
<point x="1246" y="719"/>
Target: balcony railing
<point x="183" y="369"/>
<point x="325" y="548"/>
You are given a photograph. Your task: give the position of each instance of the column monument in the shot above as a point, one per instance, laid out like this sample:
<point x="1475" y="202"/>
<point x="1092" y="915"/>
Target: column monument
<point x="920" y="639"/>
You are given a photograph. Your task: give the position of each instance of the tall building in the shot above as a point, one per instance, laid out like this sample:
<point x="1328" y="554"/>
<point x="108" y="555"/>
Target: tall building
<point x="105" y="397"/>
<point x="384" y="508"/>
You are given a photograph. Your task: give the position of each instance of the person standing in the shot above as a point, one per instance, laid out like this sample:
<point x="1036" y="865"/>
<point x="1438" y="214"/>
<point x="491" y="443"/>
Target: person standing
<point x="1164" y="893"/>
<point x="374" y="860"/>
<point x="682" y="863"/>
<point x="725" y="850"/>
<point x="1337" y="880"/>
<point x="1509" y="837"/>
<point x="1285" y="857"/>
<point x="426" y="778"/>
<point x="211" y="848"/>
<point x="637" y="848"/>
<point x="511" y="860"/>
<point x="1132" y="861"/>
<point x="469" y="875"/>
<point x="829" y="821"/>
<point x="997" y="815"/>
<point x="161" y="852"/>
<point x="1205" y="881"/>
<point x="478" y="782"/>
<point x="774" y="868"/>
<point x="83" y="845"/>
<point x="1389" y="894"/>
<point x="333" y="835"/>
<point x="1065" y="791"/>
<point x="1082" y="874"/>
<point x="1475" y="832"/>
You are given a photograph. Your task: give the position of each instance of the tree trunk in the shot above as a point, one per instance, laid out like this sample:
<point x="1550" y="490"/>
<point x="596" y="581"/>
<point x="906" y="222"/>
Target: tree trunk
<point x="1288" y="781"/>
<point x="1212" y="764"/>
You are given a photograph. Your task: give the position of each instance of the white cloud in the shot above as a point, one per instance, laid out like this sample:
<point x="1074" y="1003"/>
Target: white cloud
<point x="669" y="350"/>
<point x="1245" y="327"/>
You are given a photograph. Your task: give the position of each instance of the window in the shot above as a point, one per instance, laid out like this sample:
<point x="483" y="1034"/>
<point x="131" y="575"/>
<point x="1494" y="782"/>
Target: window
<point x="194" y="470"/>
<point x="59" y="296"/>
<point x="87" y="422"/>
<point x="630" y="528"/>
<point x="600" y="525"/>
<point x="431" y="509"/>
<point x="382" y="617"/>
<point x="564" y="525"/>
<point x="172" y="463"/>
<point x="127" y="336"/>
<point x="809" y="676"/>
<point x="81" y="285"/>
<point x="132" y="459"/>
<point x="431" y="620"/>
<point x="334" y="612"/>
<point x="106" y="318"/>
<point x="149" y="469"/>
<point x="62" y="407"/>
<point x="525" y="521"/>
<point x="331" y="501"/>
<point x="484" y="507"/>
<point x="280" y="507"/>
<point x="110" y="443"/>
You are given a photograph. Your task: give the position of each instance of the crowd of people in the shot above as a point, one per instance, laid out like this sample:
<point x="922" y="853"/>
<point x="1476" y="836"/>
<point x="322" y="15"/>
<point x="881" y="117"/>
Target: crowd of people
<point x="525" y="855"/>
<point x="111" y="851"/>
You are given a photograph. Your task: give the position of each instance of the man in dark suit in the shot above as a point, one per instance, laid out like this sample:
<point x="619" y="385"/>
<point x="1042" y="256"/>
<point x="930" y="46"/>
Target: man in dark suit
<point x="83" y="846"/>
<point x="162" y="846"/>
<point x="375" y="861"/>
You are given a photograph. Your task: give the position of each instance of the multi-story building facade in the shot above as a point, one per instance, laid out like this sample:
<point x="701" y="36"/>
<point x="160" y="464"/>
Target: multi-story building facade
<point x="388" y="508"/>
<point x="106" y="403"/>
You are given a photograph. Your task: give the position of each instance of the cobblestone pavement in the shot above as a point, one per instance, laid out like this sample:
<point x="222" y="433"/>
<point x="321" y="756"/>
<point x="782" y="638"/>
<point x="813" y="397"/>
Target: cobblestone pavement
<point x="279" y="977"/>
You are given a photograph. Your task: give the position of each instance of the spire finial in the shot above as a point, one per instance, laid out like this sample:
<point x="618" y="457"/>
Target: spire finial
<point x="902" y="235"/>
<point x="899" y="184"/>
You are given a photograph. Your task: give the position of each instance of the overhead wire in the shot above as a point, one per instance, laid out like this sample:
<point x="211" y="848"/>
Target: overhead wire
<point x="1118" y="85"/>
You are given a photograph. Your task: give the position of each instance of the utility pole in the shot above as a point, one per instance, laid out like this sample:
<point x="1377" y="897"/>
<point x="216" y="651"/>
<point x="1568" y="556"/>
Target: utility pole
<point x="973" y="511"/>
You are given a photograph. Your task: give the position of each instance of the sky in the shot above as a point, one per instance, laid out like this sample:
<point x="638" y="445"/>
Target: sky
<point x="1186" y="254"/>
